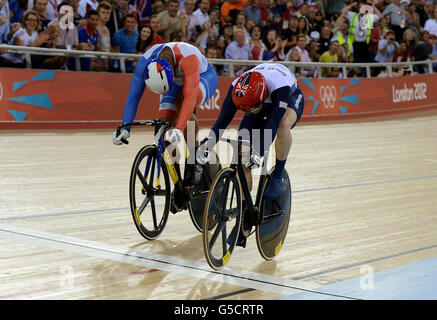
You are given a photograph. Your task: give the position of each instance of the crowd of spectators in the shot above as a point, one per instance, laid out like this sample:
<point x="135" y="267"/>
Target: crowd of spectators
<point x="268" y="30"/>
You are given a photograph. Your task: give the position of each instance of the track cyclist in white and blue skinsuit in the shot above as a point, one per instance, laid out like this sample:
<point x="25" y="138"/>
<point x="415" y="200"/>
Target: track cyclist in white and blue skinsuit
<point x="272" y="100"/>
<point x="181" y="73"/>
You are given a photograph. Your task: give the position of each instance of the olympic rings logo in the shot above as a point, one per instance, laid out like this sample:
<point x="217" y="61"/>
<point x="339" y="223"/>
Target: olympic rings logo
<point x="328" y="94"/>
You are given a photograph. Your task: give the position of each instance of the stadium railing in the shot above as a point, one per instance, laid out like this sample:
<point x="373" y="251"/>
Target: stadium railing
<point x="122" y="57"/>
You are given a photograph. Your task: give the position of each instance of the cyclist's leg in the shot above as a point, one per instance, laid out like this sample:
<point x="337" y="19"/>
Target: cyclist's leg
<point x="207" y="87"/>
<point x="284" y="141"/>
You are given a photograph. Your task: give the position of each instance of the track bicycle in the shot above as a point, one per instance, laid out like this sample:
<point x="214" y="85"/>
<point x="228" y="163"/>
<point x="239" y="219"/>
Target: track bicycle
<point x="150" y="194"/>
<point x="224" y="207"/>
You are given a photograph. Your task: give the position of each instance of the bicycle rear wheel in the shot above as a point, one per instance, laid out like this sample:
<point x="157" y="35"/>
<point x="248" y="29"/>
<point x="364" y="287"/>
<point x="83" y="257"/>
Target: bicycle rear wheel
<point x="223" y="205"/>
<point x="200" y="193"/>
<point x="149" y="192"/>
<point x="271" y="233"/>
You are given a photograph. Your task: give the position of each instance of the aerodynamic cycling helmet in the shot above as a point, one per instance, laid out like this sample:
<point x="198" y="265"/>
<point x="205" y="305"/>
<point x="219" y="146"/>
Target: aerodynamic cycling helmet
<point x="249" y="91"/>
<point x="159" y="75"/>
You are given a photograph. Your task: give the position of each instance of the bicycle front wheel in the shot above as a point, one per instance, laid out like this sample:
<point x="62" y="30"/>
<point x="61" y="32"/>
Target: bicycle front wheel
<point x="200" y="192"/>
<point x="149" y="192"/>
<point x="223" y="211"/>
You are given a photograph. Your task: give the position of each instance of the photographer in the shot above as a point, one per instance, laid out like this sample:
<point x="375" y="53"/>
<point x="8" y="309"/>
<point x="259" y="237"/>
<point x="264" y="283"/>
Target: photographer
<point x="387" y="48"/>
<point x="361" y="16"/>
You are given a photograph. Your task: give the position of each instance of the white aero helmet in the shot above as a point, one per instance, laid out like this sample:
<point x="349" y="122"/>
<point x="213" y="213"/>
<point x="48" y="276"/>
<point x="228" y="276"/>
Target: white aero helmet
<point x="159" y="75"/>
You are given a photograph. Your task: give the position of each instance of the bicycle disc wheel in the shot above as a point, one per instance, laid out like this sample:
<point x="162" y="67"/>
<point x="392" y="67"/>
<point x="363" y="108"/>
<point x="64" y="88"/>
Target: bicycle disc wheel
<point x="271" y="233"/>
<point x="223" y="204"/>
<point x="200" y="192"/>
<point x="149" y="192"/>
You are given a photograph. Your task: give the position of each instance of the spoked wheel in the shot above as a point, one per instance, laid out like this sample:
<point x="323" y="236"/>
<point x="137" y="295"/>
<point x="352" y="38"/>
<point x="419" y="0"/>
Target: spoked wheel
<point x="223" y="205"/>
<point x="149" y="192"/>
<point x="200" y="193"/>
<point x="271" y="233"/>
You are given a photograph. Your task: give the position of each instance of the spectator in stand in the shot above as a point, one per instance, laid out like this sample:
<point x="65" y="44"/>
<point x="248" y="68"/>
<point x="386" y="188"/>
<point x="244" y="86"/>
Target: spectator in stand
<point x="239" y="49"/>
<point x="272" y="42"/>
<point x="317" y="22"/>
<point x="211" y="53"/>
<point x="125" y="41"/>
<point x="413" y="20"/>
<point x="324" y="40"/>
<point x="40" y="6"/>
<point x="169" y="20"/>
<point x="227" y="37"/>
<point x="424" y="51"/>
<point x="158" y="6"/>
<point x="290" y="34"/>
<point x="88" y="40"/>
<point x="199" y="22"/>
<point x="329" y="56"/>
<point x="256" y="43"/>
<point x="78" y="20"/>
<point x="186" y="12"/>
<point x="49" y="62"/>
<point x="240" y="23"/>
<point x="431" y="23"/>
<point x="104" y="40"/>
<point x="115" y="22"/>
<point x="155" y="24"/>
<point x="387" y="47"/>
<point x="211" y="33"/>
<point x="17" y="8"/>
<point x="410" y="44"/>
<point x="376" y="35"/>
<point x="277" y="12"/>
<point x="294" y="56"/>
<point x="398" y="18"/>
<point x="51" y="9"/>
<point x="68" y="37"/>
<point x="401" y="56"/>
<point x="26" y="35"/>
<point x="251" y="11"/>
<point x="229" y="10"/>
<point x="145" y="40"/>
<point x="341" y="31"/>
<point x="304" y="54"/>
<point x="302" y="26"/>
<point x="142" y="9"/>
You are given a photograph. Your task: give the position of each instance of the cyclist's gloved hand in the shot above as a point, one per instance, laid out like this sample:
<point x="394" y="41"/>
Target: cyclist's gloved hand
<point x="254" y="161"/>
<point x="174" y="135"/>
<point x="116" y="139"/>
<point x="203" y="155"/>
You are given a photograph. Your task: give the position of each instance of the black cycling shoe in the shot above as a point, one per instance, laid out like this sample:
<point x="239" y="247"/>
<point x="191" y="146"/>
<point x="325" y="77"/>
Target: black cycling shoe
<point x="176" y="202"/>
<point x="193" y="175"/>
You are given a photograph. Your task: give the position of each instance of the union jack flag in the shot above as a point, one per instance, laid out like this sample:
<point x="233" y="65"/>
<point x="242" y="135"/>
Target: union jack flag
<point x="242" y="85"/>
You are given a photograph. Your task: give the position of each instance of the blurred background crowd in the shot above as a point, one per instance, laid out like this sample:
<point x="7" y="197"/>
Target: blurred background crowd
<point x="267" y="30"/>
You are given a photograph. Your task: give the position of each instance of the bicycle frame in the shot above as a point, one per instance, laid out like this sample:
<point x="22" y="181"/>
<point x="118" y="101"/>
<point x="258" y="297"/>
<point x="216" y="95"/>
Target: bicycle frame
<point x="251" y="207"/>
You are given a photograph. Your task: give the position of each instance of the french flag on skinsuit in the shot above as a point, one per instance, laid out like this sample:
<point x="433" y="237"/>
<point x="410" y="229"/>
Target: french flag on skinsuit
<point x="243" y="85"/>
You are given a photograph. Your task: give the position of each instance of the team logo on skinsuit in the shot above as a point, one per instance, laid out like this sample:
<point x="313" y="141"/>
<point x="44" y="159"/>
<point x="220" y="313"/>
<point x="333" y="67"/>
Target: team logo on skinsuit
<point x="243" y="85"/>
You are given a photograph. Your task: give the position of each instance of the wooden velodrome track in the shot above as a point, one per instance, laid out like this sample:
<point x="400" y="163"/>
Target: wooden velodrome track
<point x="364" y="220"/>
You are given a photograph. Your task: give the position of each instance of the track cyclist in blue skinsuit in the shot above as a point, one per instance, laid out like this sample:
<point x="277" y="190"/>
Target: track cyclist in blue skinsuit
<point x="271" y="99"/>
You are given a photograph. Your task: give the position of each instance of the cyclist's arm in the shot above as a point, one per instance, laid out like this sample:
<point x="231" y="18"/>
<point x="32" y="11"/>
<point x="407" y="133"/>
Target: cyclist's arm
<point x="190" y="67"/>
<point x="137" y="87"/>
<point x="224" y="119"/>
